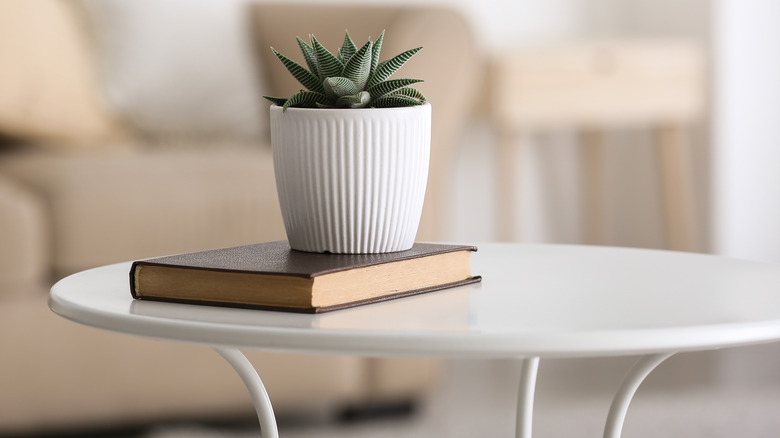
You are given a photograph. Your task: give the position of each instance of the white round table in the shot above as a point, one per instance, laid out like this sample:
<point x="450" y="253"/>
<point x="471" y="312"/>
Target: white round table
<point x="535" y="301"/>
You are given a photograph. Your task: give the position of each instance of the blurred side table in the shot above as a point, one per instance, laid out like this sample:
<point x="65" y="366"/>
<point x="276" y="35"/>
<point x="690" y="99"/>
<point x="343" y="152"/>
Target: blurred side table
<point x="592" y="87"/>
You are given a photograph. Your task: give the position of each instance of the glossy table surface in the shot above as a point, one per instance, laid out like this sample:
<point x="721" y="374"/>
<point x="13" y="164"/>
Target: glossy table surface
<point x="533" y="301"/>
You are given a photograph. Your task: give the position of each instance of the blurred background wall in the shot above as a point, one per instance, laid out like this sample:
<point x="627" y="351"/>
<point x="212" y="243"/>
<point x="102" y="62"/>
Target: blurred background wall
<point x="746" y="133"/>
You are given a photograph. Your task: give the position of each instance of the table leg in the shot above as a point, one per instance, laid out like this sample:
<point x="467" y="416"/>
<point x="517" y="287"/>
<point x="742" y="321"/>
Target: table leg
<point x="509" y="177"/>
<point x="244" y="368"/>
<point x="525" y="399"/>
<point x="679" y="204"/>
<point x="593" y="184"/>
<point x="636" y="375"/>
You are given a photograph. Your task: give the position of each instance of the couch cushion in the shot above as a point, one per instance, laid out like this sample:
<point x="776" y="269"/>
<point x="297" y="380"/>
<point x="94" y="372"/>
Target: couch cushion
<point x="127" y="203"/>
<point x="179" y="66"/>
<point x="47" y="82"/>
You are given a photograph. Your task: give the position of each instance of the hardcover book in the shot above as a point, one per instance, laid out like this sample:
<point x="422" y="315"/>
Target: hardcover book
<point x="272" y="276"/>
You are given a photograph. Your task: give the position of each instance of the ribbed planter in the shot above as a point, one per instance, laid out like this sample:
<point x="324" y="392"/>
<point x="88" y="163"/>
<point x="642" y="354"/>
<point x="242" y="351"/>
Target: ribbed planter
<point x="351" y="181"/>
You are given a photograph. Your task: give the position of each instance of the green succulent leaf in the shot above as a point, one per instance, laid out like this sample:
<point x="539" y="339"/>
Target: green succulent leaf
<point x="309" y="56"/>
<point x="339" y="86"/>
<point x="305" y="99"/>
<point x="375" y="52"/>
<point x="353" y="78"/>
<point x="359" y="66"/>
<point x="327" y="64"/>
<point x="390" y="86"/>
<point x="393" y="101"/>
<point x="305" y="77"/>
<point x="358" y="100"/>
<point x="348" y="48"/>
<point x="277" y="100"/>
<point x="389" y="66"/>
<point x="409" y="92"/>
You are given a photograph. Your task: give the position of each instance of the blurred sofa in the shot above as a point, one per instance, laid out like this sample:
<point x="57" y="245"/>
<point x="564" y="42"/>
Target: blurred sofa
<point x="132" y="129"/>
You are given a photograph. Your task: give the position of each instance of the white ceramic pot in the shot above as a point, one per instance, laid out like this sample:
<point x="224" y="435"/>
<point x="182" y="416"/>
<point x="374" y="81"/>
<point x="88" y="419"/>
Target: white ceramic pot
<point x="351" y="181"/>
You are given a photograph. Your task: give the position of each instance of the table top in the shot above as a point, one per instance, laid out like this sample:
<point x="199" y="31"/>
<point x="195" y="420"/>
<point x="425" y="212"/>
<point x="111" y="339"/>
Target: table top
<point x="534" y="300"/>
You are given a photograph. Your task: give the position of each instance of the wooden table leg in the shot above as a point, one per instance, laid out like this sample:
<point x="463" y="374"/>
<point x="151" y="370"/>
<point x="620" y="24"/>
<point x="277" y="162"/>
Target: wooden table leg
<point x="676" y="186"/>
<point x="508" y="158"/>
<point x="593" y="199"/>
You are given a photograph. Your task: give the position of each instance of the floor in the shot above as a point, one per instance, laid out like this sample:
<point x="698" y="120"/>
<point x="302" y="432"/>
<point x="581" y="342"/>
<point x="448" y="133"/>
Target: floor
<point x="478" y="399"/>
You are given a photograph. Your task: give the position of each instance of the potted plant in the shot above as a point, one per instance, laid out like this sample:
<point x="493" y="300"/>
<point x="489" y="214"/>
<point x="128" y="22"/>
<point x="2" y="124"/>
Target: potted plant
<point x="351" y="151"/>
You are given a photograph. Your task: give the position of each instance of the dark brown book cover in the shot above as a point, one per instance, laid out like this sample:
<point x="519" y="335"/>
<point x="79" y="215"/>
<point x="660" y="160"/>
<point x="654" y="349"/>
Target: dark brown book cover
<point x="274" y="259"/>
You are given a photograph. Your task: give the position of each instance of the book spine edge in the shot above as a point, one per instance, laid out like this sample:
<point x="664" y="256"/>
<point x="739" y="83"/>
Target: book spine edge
<point x="133" y="281"/>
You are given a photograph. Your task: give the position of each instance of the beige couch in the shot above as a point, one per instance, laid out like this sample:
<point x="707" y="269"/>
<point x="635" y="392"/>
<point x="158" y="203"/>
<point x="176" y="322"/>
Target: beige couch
<point x="130" y="130"/>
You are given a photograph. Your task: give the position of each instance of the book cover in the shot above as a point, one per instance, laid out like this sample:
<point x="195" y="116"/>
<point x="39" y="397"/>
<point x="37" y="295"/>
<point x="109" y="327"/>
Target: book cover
<point x="272" y="276"/>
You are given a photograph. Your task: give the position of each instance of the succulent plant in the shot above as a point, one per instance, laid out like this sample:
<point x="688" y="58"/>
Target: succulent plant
<point x="353" y="78"/>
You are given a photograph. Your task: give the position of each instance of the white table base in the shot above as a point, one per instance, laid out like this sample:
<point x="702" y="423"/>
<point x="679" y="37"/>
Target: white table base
<point x="638" y="373"/>
<point x="525" y="398"/>
<point x="244" y="368"/>
<point x="617" y="411"/>
<point x="525" y="401"/>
